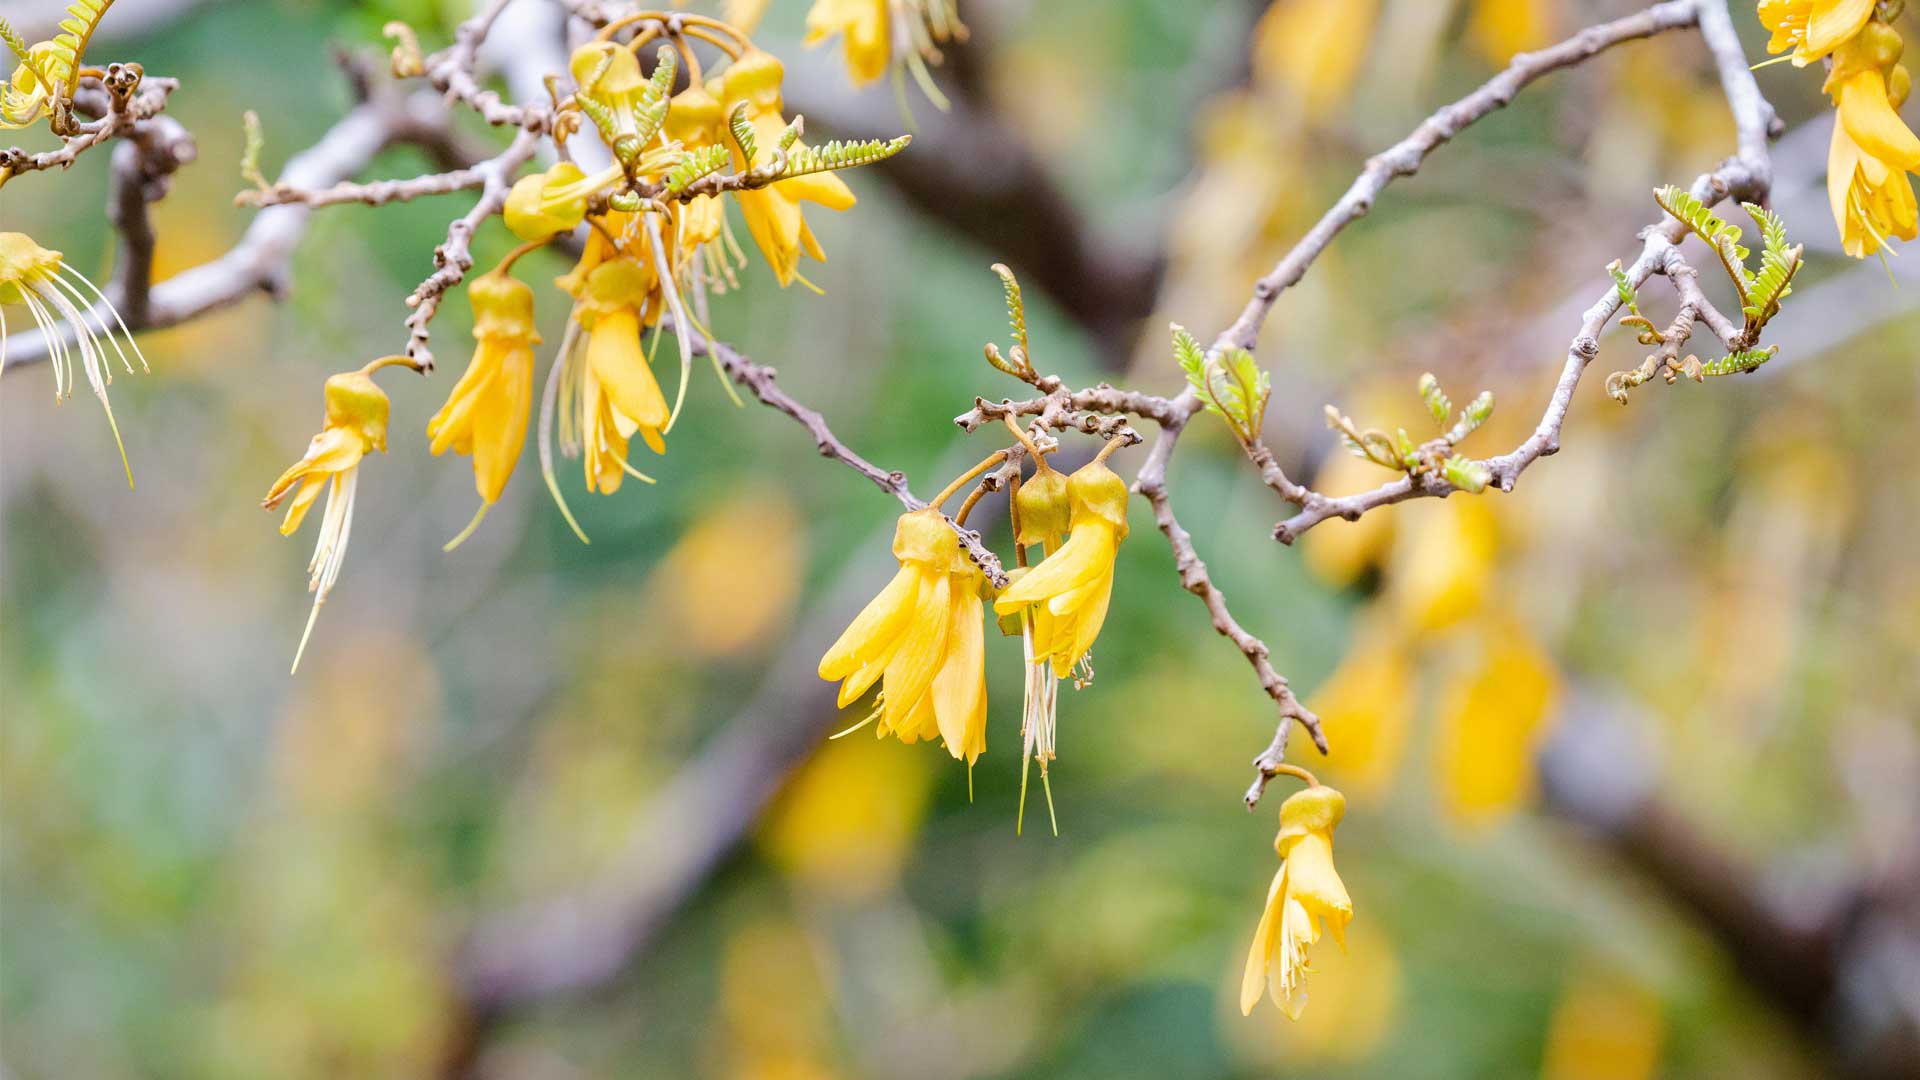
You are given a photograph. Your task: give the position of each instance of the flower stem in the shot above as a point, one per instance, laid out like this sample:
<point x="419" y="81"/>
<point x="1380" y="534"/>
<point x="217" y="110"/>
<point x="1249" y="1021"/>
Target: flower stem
<point x="968" y="477"/>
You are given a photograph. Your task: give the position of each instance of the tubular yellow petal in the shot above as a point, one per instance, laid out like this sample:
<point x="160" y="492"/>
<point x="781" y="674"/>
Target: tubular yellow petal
<point x="499" y="425"/>
<point x="1833" y="22"/>
<point x="1088" y="551"/>
<point x="1086" y="625"/>
<point x="334" y="450"/>
<point x="1843" y="158"/>
<point x="617" y="360"/>
<point x="873" y="634"/>
<point x="1873" y="124"/>
<point x="910" y="671"/>
<point x="960" y="687"/>
<point x="1312" y="880"/>
<point x="1254" y="981"/>
<point x="303" y="501"/>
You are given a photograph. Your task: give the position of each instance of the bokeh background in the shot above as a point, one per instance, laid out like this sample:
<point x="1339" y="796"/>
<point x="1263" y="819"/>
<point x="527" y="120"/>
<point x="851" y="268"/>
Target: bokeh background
<point x="1632" y="755"/>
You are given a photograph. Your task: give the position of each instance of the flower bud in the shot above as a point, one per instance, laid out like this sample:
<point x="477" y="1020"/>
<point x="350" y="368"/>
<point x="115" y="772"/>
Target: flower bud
<point x="755" y="79"/>
<point x="1097" y="491"/>
<point x="1044" y="513"/>
<point x="620" y="77"/>
<point x="354" y="402"/>
<point x="694" y="116"/>
<point x="502" y="309"/>
<point x="923" y="536"/>
<point x="616" y="284"/>
<point x="1311" y="810"/>
<point x="22" y="260"/>
<point x="544" y="204"/>
<point x="1899" y="85"/>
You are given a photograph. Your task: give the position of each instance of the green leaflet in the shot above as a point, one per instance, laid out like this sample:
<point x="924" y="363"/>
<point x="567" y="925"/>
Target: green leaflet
<point x="842" y="155"/>
<point x="694" y="165"/>
<point x="1629" y="297"/>
<point x="1231" y="384"/>
<point x="741" y="132"/>
<point x="1761" y="293"/>
<point x="1778" y="264"/>
<point x="1739" y="362"/>
<point x="1016" y="305"/>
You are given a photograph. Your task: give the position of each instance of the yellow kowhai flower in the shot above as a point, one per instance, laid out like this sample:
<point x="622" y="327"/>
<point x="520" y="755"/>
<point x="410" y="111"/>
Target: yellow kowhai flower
<point x="1872" y="201"/>
<point x="38" y="279"/>
<point x="1868" y="84"/>
<point x="880" y="34"/>
<point x="617" y="393"/>
<point x="1069" y="591"/>
<point x="863" y="26"/>
<point x="1812" y="28"/>
<point x="1306" y="893"/>
<point x="541" y="205"/>
<point x="486" y="412"/>
<point x="355" y="423"/>
<point x="773" y="213"/>
<point x="27" y="95"/>
<point x="921" y="638"/>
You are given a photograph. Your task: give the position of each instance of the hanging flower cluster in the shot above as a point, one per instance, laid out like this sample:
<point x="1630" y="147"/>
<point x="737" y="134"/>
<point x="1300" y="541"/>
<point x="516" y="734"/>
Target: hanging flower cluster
<point x="657" y="242"/>
<point x="1873" y="150"/>
<point x="921" y="639"/>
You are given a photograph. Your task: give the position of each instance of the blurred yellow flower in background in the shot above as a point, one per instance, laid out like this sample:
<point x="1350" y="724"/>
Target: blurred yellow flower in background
<point x="1499" y="29"/>
<point x="1492" y="715"/>
<point x="730" y="582"/>
<point x="847" y="821"/>
<point x="862" y="26"/>
<point x="1368" y="705"/>
<point x="1606" y="1027"/>
<point x="1313" y="49"/>
<point x="1341" y="552"/>
<point x="1442" y="567"/>
<point x="1306" y="893"/>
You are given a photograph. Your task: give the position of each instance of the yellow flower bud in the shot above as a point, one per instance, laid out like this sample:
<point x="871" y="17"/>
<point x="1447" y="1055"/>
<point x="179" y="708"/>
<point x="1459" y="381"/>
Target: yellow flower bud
<point x="1044" y="510"/>
<point x="355" y="403"/>
<point x="1316" y="809"/>
<point x="924" y="537"/>
<point x="21" y="261"/>
<point x="502" y="309"/>
<point x="694" y="117"/>
<point x="1097" y="491"/>
<point x="621" y="75"/>
<point x="755" y="79"/>
<point x="543" y="204"/>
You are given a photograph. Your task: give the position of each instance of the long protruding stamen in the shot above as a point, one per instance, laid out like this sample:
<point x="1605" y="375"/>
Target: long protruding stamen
<point x="548" y="397"/>
<point x="478" y="515"/>
<point x="115" y="312"/>
<point x="93" y="357"/>
<point x="682" y="326"/>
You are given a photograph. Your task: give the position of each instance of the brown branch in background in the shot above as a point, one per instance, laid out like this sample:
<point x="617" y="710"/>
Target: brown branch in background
<point x="1405" y="157"/>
